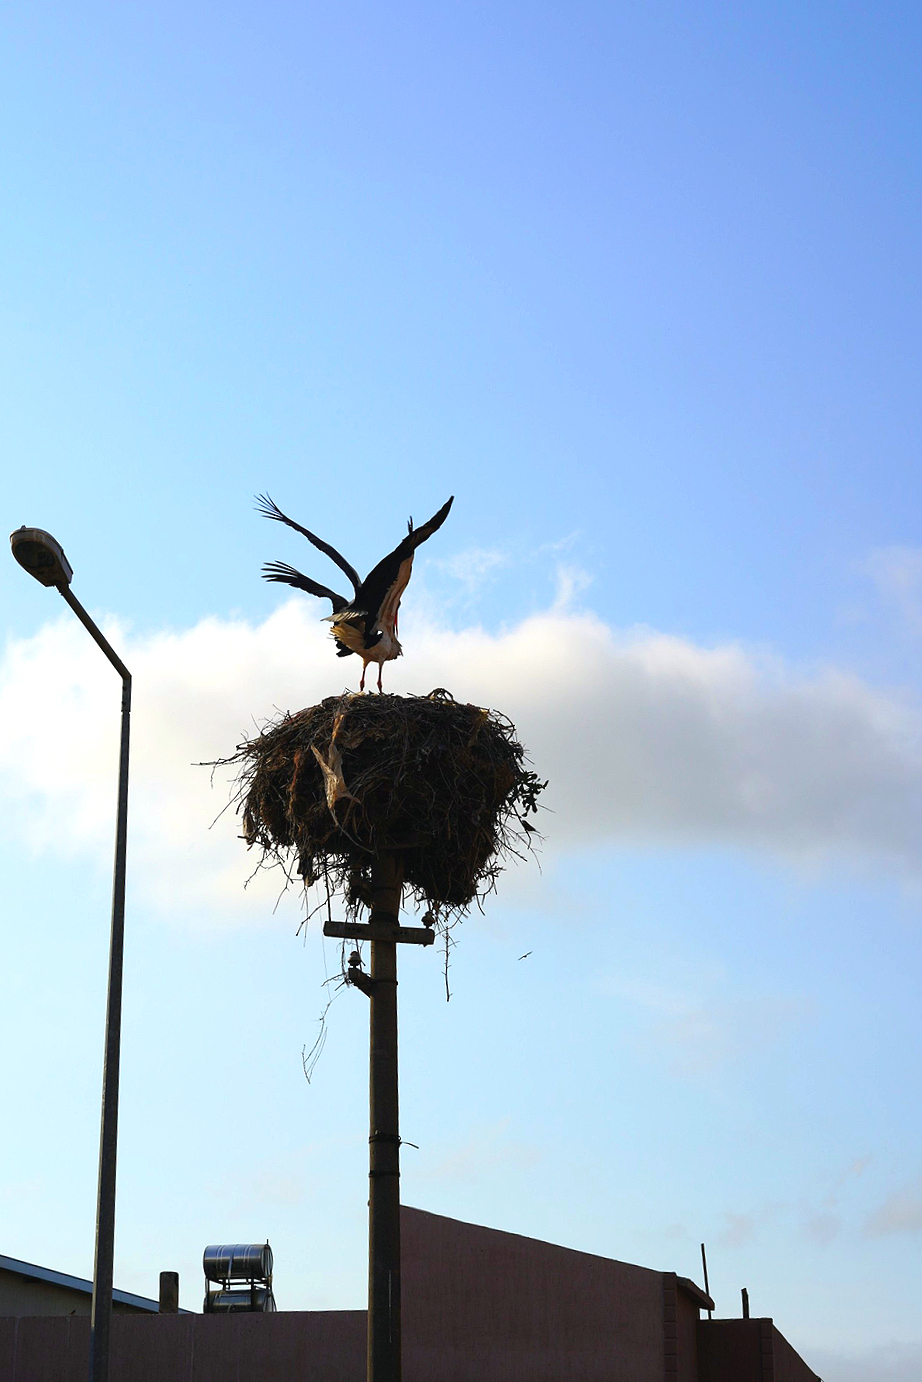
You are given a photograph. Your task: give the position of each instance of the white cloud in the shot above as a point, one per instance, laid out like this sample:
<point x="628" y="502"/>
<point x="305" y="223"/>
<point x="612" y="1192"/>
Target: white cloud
<point x="572" y="581"/>
<point x="648" y="737"/>
<point x="195" y="695"/>
<point x="854" y="1171"/>
<point x="474" y="568"/>
<point x="900" y="1212"/>
<point x="737" y="1230"/>
<point x="704" y="1033"/>
<point x="897" y="574"/>
<point x="488" y="1148"/>
<point x="704" y="1038"/>
<point x="822" y="1223"/>
<point x="822" y="1228"/>
<point x="644" y="737"/>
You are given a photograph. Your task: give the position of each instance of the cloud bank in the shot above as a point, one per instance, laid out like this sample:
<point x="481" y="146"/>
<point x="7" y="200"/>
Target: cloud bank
<point x="646" y="739"/>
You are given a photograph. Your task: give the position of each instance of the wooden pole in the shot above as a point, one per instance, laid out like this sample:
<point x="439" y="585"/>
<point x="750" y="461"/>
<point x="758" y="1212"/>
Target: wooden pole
<point x="384" y="1132"/>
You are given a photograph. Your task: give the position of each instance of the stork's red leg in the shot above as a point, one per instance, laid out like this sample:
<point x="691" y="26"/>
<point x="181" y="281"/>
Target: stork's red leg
<point x="380" y="670"/>
<point x="364" y="670"/>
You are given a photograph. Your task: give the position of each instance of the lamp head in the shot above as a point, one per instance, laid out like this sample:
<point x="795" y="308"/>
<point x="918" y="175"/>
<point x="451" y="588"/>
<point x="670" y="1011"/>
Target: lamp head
<point x="39" y="554"/>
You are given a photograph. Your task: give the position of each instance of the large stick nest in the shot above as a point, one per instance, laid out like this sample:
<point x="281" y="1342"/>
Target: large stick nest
<point x="445" y="784"/>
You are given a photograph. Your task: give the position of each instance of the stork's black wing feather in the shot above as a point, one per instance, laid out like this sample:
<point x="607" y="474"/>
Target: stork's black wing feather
<point x="269" y="509"/>
<point x="279" y="571"/>
<point x="370" y="596"/>
<point x="417" y="536"/>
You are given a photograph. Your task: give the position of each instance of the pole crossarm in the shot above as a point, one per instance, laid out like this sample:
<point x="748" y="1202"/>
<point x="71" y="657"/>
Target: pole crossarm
<point x="379" y="931"/>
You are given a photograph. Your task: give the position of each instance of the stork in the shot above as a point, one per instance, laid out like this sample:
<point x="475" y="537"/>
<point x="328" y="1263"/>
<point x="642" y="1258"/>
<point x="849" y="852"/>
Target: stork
<point x="366" y="624"/>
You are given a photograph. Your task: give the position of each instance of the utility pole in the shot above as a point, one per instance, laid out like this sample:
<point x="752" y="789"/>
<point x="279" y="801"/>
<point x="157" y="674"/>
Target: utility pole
<point x="384" y="1131"/>
<point x="385" y="933"/>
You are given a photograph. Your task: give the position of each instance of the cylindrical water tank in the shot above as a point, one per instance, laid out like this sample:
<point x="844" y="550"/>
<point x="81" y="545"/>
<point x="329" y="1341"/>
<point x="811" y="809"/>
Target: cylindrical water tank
<point x="260" y="1299"/>
<point x="237" y="1262"/>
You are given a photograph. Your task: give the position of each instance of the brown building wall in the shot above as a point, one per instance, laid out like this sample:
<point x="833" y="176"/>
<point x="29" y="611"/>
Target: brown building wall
<point x="313" y="1346"/>
<point x="329" y="1346"/>
<point x="680" y="1332"/>
<point x="748" y="1351"/>
<point x="484" y="1306"/>
<point x="729" y="1351"/>
<point x="788" y="1366"/>
<point x="478" y="1306"/>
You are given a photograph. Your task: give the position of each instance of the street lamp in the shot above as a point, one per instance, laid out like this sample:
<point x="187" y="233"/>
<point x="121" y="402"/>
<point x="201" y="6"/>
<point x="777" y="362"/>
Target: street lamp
<point x="39" y="554"/>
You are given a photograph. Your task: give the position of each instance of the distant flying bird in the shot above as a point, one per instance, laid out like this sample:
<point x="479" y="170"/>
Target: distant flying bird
<point x="367" y="624"/>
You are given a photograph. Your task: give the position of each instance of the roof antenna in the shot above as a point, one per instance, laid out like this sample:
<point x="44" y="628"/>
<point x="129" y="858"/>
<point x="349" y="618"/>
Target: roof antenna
<point x="707" y="1289"/>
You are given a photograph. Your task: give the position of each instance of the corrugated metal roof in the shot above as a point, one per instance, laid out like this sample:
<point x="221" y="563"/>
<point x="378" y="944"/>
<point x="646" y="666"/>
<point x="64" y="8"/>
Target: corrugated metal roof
<point x="76" y="1283"/>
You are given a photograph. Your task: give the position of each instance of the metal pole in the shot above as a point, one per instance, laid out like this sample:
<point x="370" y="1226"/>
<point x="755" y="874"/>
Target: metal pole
<point x="101" y="1309"/>
<point x="707" y="1289"/>
<point x="384" y="1133"/>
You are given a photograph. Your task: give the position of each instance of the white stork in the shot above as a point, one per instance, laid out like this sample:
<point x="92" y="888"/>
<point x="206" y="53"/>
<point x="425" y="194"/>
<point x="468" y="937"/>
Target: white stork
<point x="367" y="624"/>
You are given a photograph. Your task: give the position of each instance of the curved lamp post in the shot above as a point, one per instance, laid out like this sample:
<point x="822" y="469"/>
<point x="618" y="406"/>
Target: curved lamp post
<point x="39" y="554"/>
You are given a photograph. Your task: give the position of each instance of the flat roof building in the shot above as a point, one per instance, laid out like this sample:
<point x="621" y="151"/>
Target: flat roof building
<point x="479" y="1305"/>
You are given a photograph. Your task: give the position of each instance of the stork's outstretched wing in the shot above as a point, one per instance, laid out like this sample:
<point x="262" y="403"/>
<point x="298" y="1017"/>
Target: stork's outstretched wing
<point x="269" y="509"/>
<point x="280" y="571"/>
<point x="419" y="535"/>
<point x="380" y="592"/>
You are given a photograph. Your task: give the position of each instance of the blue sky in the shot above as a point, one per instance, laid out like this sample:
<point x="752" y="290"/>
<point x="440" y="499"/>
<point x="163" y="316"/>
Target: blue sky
<point x="640" y="286"/>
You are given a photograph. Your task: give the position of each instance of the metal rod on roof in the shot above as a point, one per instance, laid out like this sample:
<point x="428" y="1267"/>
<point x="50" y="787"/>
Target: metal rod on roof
<point x="707" y="1289"/>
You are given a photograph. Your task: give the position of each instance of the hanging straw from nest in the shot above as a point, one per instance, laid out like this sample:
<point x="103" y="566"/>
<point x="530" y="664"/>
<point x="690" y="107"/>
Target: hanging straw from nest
<point x="445" y="784"/>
